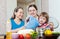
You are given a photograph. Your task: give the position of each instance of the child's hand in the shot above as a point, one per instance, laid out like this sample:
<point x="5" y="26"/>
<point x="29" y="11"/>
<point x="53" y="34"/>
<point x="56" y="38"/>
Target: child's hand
<point x="51" y="24"/>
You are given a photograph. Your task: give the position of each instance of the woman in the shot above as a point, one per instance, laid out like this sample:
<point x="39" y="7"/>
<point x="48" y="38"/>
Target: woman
<point x="32" y="9"/>
<point x="16" y="21"/>
<point x="32" y="19"/>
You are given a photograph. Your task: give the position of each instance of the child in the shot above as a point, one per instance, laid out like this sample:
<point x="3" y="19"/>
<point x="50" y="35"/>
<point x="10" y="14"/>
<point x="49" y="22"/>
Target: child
<point x="43" y="21"/>
<point x="43" y="24"/>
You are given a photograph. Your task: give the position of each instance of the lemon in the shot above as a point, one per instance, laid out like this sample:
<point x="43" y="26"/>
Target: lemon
<point x="48" y="32"/>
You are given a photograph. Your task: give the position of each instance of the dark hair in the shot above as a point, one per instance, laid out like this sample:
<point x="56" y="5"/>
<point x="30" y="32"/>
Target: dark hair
<point x="45" y="14"/>
<point x="16" y="10"/>
<point x="33" y="5"/>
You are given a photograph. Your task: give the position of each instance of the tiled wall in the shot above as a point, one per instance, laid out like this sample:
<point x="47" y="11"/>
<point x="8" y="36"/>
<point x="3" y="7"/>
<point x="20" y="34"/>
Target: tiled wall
<point x="54" y="11"/>
<point x="2" y="16"/>
<point x="6" y="10"/>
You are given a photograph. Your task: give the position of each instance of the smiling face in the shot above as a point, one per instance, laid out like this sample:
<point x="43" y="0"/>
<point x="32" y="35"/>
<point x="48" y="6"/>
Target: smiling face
<point x="19" y="13"/>
<point x="42" y="20"/>
<point x="32" y="11"/>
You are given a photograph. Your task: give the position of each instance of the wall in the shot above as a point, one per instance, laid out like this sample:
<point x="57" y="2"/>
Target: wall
<point x="11" y="5"/>
<point x="6" y="10"/>
<point x="54" y="10"/>
<point x="2" y="16"/>
<point x="39" y="3"/>
<point x="44" y="6"/>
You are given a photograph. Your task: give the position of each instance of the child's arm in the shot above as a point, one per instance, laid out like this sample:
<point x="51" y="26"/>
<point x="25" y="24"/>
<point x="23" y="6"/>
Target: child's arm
<point x="51" y="25"/>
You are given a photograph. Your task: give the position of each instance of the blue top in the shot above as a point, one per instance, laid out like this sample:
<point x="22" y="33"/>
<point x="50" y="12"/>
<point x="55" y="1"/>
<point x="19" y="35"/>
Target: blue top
<point x="15" y="26"/>
<point x="32" y="23"/>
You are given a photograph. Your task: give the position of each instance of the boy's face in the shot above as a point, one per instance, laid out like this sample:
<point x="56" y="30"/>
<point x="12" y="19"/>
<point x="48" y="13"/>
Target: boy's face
<point x="42" y="20"/>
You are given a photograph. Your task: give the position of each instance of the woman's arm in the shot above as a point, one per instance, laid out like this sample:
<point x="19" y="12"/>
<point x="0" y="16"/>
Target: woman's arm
<point x="27" y="19"/>
<point x="8" y="26"/>
<point x="16" y="30"/>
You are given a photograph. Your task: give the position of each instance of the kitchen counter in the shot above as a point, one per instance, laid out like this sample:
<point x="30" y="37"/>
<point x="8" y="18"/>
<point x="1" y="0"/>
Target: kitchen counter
<point x="2" y="36"/>
<point x="53" y="36"/>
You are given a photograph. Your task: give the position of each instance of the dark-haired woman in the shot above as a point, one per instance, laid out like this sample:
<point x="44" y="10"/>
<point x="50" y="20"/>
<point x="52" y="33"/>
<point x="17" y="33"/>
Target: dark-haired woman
<point x="32" y="19"/>
<point x="16" y="21"/>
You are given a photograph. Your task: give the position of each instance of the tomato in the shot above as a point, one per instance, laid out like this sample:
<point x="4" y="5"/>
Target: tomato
<point x="28" y="36"/>
<point x="21" y="36"/>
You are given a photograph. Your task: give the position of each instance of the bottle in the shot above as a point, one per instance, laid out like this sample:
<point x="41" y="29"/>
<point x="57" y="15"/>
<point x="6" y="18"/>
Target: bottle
<point x="40" y="32"/>
<point x="9" y="35"/>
